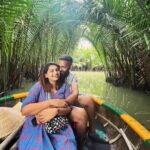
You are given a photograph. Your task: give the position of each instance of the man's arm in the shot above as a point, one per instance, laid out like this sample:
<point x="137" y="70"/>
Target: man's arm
<point x="74" y="94"/>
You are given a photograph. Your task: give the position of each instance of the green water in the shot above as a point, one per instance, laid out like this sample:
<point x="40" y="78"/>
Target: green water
<point x="135" y="103"/>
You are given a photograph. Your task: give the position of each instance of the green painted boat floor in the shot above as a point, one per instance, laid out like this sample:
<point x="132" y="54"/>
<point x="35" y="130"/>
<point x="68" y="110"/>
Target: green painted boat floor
<point x="93" y="145"/>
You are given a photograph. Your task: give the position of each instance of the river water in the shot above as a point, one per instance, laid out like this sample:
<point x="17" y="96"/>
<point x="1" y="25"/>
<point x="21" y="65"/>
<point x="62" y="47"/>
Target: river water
<point x="135" y="103"/>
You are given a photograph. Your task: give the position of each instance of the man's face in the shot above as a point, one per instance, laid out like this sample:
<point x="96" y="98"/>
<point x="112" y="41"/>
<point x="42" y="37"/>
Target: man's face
<point x="64" y="67"/>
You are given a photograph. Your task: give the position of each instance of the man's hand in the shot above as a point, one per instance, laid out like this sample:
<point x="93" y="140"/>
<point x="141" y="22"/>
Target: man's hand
<point x="46" y="115"/>
<point x="59" y="103"/>
<point x="64" y="111"/>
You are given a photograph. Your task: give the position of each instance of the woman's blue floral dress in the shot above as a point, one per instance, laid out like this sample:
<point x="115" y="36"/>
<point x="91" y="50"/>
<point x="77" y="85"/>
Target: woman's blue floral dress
<point x="35" y="137"/>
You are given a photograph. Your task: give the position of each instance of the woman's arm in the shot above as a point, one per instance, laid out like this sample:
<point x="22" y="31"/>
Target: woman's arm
<point x="46" y="115"/>
<point x="35" y="108"/>
<point x="49" y="113"/>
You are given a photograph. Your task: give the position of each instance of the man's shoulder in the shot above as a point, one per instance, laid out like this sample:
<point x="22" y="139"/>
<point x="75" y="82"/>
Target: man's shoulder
<point x="71" y="75"/>
<point x="71" y="78"/>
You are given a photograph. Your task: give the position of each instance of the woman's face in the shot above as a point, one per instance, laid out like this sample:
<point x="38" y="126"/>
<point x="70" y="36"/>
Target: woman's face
<point x="53" y="73"/>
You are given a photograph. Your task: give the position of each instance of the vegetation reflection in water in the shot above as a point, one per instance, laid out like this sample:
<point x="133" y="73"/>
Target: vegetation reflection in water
<point x="133" y="102"/>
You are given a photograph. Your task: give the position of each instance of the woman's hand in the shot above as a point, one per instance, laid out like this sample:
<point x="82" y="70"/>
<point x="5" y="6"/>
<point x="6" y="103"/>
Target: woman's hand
<point x="46" y="115"/>
<point x="59" y="103"/>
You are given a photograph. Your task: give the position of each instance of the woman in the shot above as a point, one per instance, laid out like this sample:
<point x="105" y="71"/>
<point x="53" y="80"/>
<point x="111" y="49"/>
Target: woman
<point x="44" y="102"/>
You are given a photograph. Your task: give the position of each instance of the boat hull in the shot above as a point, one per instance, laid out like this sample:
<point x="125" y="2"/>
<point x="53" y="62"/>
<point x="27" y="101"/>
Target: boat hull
<point x="119" y="143"/>
<point x="124" y="132"/>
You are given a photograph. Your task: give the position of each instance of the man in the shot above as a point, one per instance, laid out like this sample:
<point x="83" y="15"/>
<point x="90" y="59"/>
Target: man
<point x="86" y="102"/>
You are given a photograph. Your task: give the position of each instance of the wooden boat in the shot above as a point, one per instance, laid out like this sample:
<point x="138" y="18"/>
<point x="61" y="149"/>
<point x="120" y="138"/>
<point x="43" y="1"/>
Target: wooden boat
<point x="125" y="133"/>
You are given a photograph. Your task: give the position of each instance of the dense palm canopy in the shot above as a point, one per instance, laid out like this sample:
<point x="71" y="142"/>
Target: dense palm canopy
<point x="33" y="32"/>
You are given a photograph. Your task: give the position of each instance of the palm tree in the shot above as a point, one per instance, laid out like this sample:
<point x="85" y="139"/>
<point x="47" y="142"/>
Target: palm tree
<point x="34" y="32"/>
